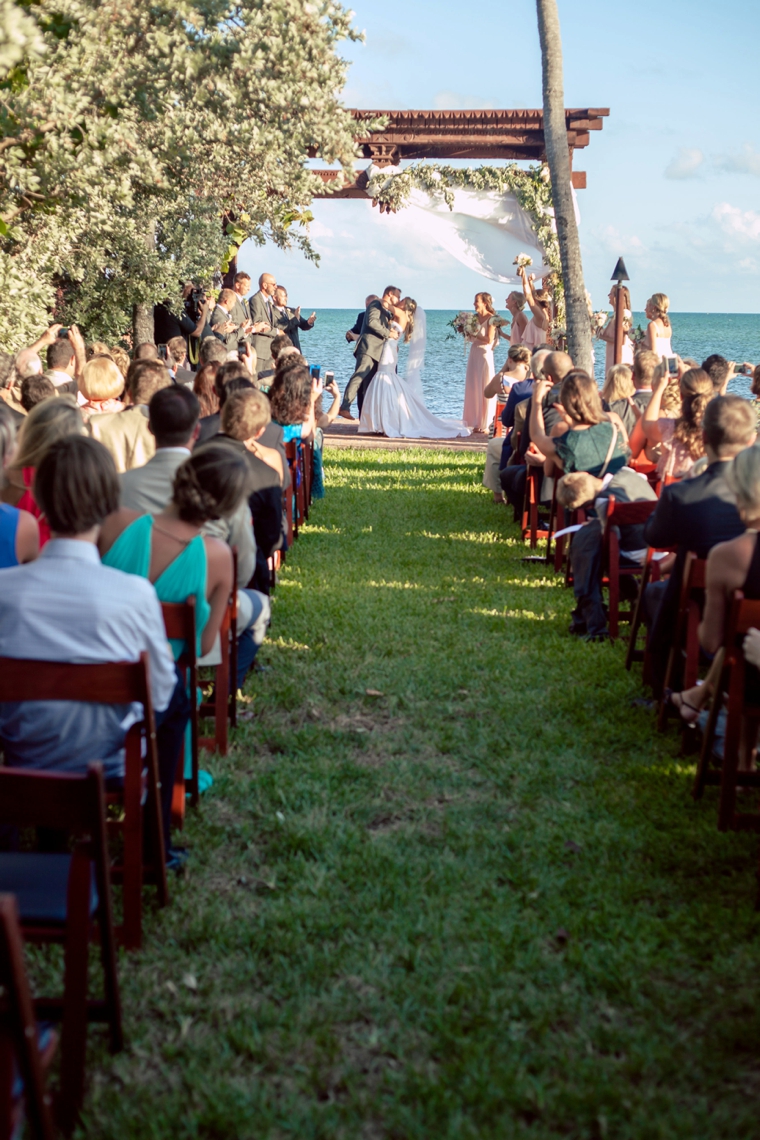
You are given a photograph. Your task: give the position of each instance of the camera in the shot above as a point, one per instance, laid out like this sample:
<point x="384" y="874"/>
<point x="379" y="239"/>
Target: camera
<point x="63" y="334"/>
<point x="162" y="351"/>
<point x="315" y="370"/>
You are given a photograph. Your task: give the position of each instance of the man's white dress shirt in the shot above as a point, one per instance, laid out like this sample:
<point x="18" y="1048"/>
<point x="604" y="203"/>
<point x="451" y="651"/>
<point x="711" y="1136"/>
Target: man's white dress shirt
<point x="67" y="606"/>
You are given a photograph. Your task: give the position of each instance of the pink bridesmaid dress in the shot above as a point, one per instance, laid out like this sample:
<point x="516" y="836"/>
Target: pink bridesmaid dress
<point x="478" y="411"/>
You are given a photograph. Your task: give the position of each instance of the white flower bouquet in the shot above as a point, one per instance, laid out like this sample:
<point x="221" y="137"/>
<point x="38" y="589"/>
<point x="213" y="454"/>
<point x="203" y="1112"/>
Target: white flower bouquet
<point x="522" y="261"/>
<point x="463" y="324"/>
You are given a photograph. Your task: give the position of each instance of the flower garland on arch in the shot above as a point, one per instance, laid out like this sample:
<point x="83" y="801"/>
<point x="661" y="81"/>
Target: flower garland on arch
<point x="531" y="187"/>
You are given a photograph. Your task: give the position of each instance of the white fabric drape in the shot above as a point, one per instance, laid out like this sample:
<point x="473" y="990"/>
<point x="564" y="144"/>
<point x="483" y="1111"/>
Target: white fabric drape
<point x="485" y="230"/>
<point x="415" y="361"/>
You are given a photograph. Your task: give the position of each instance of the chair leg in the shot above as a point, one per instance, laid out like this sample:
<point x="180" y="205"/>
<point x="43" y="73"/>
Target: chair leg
<point x="614" y="600"/>
<point x="705" y="756"/>
<point x="74" y="1026"/>
<point x="636" y="619"/>
<point x="194" y="742"/>
<point x="132" y="874"/>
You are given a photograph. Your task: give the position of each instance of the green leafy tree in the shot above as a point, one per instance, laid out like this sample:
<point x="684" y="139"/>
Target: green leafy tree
<point x="130" y="131"/>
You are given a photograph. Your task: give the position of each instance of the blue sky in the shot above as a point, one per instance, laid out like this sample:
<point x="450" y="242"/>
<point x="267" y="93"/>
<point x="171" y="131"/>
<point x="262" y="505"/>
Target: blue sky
<point x="673" y="179"/>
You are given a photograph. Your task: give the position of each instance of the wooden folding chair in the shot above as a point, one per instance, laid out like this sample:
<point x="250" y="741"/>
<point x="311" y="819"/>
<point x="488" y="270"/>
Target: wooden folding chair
<point x="120" y="683"/>
<point x="19" y="1038"/>
<point x="58" y="897"/>
<point x="730" y="693"/>
<point x="682" y="668"/>
<point x="498" y="427"/>
<point x="294" y="505"/>
<point x="619" y="514"/>
<point x="650" y="573"/>
<point x="307" y="465"/>
<point x="179" y="621"/>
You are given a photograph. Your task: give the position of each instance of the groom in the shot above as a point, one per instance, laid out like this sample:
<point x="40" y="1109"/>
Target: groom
<point x="375" y="331"/>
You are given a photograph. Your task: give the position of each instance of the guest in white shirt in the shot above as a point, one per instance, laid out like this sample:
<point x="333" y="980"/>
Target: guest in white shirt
<point x="66" y="606"/>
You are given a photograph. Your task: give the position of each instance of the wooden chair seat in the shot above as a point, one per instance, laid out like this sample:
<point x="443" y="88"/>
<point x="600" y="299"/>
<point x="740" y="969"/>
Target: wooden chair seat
<point x="179" y="622"/>
<point x="619" y="514"/>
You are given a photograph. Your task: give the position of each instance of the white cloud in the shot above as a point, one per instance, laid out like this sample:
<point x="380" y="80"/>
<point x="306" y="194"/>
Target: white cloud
<point x="318" y="229"/>
<point x="455" y="101"/>
<point x="744" y="224"/>
<point x="745" y="161"/>
<point x="687" y="163"/>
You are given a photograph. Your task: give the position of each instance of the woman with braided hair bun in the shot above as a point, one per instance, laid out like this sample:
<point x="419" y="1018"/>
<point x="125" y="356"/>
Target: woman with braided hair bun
<point x="170" y="548"/>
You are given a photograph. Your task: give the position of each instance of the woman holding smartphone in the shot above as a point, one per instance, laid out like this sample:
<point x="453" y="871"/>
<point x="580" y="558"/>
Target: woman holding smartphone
<point x="681" y="438"/>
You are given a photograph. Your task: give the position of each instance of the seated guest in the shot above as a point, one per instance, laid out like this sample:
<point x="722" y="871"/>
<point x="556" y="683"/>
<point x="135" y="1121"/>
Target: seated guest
<point x="210" y="350"/>
<point x="583" y="490"/>
<point x="244" y="418"/>
<point x="644" y="365"/>
<point x="588" y="438"/>
<point x="205" y="388"/>
<point x="19" y="533"/>
<point x="279" y="344"/>
<point x="516" y="416"/>
<point x="126" y="434"/>
<point x="680" y="437"/>
<point x="170" y="549"/>
<point x="121" y="359"/>
<point x="732" y="565"/>
<point x="177" y="362"/>
<point x="145" y="351"/>
<point x="35" y="389"/>
<point x="516" y="368"/>
<point x="66" y="606"/>
<point x="173" y="421"/>
<point x="292" y="398"/>
<point x="720" y="372"/>
<point x="617" y="395"/>
<point x="234" y="377"/>
<point x="755" y="389"/>
<point x="45" y="425"/>
<point x="100" y="387"/>
<point x="695" y="515"/>
<point x="516" y="375"/>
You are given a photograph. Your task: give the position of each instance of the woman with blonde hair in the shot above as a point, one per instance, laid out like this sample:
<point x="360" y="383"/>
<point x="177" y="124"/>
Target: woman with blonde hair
<point x="515" y="303"/>
<point x="680" y="437"/>
<point x="607" y="334"/>
<point x="48" y="422"/>
<point x="617" y="395"/>
<point x="538" y="329"/>
<point x="479" y="411"/>
<point x="659" y="330"/>
<point x="101" y="385"/>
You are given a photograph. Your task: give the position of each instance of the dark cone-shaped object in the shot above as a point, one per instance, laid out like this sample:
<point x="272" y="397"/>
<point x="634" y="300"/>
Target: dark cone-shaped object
<point x="620" y="273"/>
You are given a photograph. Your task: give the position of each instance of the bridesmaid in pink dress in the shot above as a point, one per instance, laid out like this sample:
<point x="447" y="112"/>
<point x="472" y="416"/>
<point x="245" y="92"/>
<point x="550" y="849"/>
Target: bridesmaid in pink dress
<point x="478" y="411"/>
<point x="538" y="329"/>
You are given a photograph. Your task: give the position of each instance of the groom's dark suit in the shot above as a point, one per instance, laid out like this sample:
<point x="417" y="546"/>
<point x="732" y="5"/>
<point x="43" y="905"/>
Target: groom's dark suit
<point x="375" y="331"/>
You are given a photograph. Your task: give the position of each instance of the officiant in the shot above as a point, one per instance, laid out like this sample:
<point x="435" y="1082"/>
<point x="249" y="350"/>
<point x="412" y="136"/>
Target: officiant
<point x="288" y="320"/>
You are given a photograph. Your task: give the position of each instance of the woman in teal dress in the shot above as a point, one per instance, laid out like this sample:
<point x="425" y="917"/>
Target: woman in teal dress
<point x="169" y="549"/>
<point x="588" y="438"/>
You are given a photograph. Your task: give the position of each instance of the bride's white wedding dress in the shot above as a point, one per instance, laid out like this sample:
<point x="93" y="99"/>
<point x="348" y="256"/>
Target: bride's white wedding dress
<point x="397" y="407"/>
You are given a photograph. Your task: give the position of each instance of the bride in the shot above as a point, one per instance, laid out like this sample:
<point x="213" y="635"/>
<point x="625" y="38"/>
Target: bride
<point x="396" y="407"/>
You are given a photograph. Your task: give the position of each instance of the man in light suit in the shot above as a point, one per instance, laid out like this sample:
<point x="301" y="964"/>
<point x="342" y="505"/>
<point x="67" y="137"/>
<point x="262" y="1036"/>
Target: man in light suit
<point x="289" y="321"/>
<point x="264" y="317"/>
<point x="173" y="418"/>
<point x="126" y="434"/>
<point x="375" y="331"/>
<point x="223" y="324"/>
<point x="240" y="312"/>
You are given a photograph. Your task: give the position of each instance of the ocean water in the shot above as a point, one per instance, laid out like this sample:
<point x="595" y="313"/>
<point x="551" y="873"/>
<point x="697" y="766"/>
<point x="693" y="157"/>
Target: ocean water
<point x="735" y="336"/>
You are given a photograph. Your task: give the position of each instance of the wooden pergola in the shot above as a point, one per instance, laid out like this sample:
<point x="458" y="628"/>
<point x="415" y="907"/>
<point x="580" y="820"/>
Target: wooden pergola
<point x="476" y="135"/>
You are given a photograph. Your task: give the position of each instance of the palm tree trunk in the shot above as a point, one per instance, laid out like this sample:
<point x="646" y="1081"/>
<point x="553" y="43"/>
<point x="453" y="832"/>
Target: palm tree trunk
<point x="557" y="153"/>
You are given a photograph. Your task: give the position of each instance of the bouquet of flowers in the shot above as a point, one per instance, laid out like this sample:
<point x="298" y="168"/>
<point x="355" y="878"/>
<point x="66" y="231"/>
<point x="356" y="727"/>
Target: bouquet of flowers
<point x="500" y="323"/>
<point x="523" y="260"/>
<point x="637" y="335"/>
<point x="464" y="324"/>
<point x="598" y="321"/>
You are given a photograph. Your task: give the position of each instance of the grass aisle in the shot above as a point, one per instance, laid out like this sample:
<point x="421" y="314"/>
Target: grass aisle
<point x="449" y="883"/>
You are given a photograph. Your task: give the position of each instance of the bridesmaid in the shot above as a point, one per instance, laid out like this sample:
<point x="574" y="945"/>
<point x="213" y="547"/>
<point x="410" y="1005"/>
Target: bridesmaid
<point x="515" y="307"/>
<point x="537" y="331"/>
<point x="478" y="411"/>
<point x="659" y="329"/>
<point x="607" y="334"/>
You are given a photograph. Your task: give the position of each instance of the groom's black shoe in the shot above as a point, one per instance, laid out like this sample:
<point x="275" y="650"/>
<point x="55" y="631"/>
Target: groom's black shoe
<point x="347" y="416"/>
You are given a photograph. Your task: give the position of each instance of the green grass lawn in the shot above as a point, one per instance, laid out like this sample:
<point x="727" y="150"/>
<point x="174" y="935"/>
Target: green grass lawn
<point x="449" y="882"/>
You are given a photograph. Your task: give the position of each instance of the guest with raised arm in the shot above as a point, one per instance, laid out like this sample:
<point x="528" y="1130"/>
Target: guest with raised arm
<point x="289" y="320"/>
<point x="538" y="329"/>
<point x="679" y="437"/>
<point x="479" y="410"/>
<point x="720" y="371"/>
<point x="659" y="331"/>
<point x="586" y="438"/>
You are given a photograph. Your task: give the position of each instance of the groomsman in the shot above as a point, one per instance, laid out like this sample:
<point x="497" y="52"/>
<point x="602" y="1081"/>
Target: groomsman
<point x="222" y="324"/>
<point x="265" y="318"/>
<point x="290" y="320"/>
<point x="240" y="313"/>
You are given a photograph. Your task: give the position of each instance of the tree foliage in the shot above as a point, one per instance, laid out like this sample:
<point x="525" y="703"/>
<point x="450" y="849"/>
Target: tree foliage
<point x="131" y="129"/>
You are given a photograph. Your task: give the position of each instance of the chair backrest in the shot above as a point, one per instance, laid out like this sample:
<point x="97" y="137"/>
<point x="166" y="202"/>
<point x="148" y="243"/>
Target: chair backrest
<point x="108" y="683"/>
<point x="17" y="1021"/>
<point x="694" y="574"/>
<point x="628" y="514"/>
<point x="54" y="799"/>
<point x="179" y="622"/>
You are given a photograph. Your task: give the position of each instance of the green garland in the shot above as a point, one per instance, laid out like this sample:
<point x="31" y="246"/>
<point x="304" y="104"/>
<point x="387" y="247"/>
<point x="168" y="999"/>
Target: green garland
<point x="531" y="187"/>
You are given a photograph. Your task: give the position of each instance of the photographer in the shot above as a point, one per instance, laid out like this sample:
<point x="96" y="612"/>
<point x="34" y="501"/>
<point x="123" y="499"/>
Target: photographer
<point x="190" y="325"/>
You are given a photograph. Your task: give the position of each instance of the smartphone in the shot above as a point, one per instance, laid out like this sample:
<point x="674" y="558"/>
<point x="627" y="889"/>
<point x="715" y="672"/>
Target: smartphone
<point x="161" y="351"/>
<point x="63" y="334"/>
<point x="672" y="365"/>
<point x="329" y="379"/>
<point x="242" y="350"/>
<point x="743" y="370"/>
<point x="315" y="371"/>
